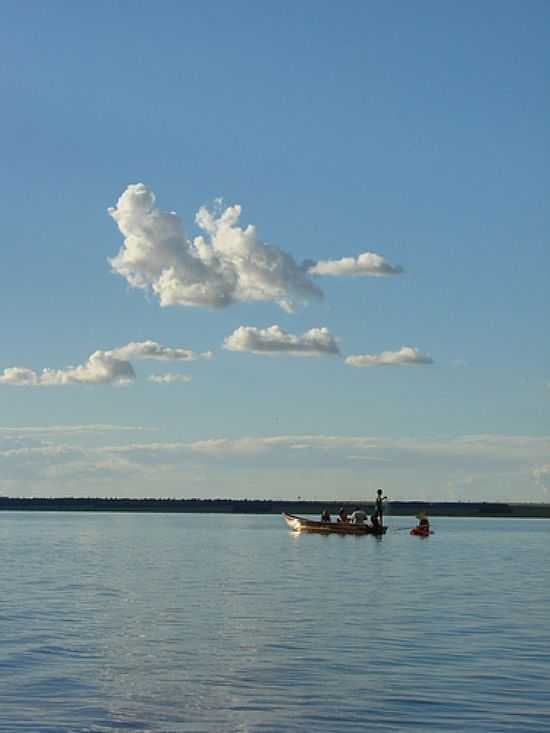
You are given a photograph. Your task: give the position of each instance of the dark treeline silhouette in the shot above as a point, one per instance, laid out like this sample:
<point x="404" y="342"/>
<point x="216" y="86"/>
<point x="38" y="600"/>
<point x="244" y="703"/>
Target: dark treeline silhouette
<point x="269" y="506"/>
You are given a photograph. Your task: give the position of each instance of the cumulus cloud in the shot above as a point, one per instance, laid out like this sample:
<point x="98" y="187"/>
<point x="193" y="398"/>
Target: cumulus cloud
<point x="169" y="378"/>
<point x="19" y="376"/>
<point x="367" y="263"/>
<point x="226" y="264"/>
<point x="102" y="367"/>
<point x="273" y="340"/>
<point x="153" y="350"/>
<point x="407" y="355"/>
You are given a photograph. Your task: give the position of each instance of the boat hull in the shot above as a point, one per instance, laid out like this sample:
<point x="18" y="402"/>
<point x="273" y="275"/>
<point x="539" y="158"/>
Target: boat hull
<point x="301" y="524"/>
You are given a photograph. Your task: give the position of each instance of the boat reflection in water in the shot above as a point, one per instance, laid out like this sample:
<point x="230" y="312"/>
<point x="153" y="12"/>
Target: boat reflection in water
<point x="301" y="524"/>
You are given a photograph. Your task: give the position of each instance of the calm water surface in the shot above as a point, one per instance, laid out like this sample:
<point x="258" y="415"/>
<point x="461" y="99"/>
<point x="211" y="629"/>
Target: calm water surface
<point x="230" y="623"/>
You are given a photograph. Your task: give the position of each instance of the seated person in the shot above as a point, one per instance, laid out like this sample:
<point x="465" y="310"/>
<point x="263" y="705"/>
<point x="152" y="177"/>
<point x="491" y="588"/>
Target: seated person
<point x="325" y="516"/>
<point x="424" y="524"/>
<point x="358" y="516"/>
<point x="342" y="515"/>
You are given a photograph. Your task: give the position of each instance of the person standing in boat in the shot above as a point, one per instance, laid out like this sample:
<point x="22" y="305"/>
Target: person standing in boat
<point x="377" y="517"/>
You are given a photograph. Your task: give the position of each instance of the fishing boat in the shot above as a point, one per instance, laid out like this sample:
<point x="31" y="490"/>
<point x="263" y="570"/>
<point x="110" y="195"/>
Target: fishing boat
<point x="301" y="524"/>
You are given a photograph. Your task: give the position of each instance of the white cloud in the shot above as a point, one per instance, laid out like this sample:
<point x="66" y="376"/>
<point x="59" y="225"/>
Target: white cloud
<point x="367" y="263"/>
<point x="46" y="450"/>
<point x="527" y="450"/>
<point x="251" y="445"/>
<point x="169" y="378"/>
<point x="273" y="340"/>
<point x="227" y="264"/>
<point x="407" y="355"/>
<point x="153" y="350"/>
<point x="18" y="376"/>
<point x="102" y="367"/>
<point x="479" y="467"/>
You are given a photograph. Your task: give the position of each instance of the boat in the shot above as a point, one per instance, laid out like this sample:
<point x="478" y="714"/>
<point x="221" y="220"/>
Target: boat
<point x="421" y="532"/>
<point x="301" y="524"/>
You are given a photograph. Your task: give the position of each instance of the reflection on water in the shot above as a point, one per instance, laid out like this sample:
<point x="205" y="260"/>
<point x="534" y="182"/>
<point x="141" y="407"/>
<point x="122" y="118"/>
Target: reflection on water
<point x="233" y="623"/>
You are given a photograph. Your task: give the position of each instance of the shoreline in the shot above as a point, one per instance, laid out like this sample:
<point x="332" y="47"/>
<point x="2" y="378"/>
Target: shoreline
<point x="273" y="506"/>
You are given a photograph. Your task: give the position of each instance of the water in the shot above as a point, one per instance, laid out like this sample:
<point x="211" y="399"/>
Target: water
<point x="203" y="623"/>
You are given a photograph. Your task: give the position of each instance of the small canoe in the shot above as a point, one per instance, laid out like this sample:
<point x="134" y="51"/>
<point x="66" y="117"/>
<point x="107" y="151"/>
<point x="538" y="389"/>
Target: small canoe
<point x="301" y="524"/>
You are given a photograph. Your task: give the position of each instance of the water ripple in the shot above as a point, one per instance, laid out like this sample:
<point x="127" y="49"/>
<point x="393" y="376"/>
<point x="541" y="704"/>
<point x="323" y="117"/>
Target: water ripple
<point x="188" y="624"/>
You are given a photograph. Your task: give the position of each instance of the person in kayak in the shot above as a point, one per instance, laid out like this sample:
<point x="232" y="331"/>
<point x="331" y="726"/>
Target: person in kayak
<point x="358" y="516"/>
<point x="423" y="524"/>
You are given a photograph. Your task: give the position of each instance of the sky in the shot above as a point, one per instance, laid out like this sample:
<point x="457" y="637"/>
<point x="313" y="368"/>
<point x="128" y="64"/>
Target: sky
<point x="275" y="250"/>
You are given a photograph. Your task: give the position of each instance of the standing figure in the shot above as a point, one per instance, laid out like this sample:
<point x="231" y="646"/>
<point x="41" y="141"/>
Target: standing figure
<point x="377" y="517"/>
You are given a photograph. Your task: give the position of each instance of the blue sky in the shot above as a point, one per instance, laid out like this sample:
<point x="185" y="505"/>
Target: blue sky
<point x="414" y="132"/>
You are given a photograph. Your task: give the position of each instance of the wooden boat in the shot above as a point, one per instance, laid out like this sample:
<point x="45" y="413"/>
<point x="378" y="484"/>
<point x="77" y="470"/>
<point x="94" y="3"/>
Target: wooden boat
<point x="301" y="524"/>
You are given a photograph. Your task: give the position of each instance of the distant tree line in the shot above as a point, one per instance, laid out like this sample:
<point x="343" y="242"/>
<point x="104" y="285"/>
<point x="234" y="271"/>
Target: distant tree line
<point x="267" y="506"/>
